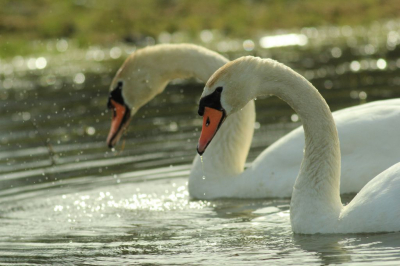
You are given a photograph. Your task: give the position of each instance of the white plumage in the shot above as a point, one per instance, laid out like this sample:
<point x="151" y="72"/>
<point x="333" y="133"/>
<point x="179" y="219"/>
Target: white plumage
<point x="315" y="205"/>
<point x="146" y="73"/>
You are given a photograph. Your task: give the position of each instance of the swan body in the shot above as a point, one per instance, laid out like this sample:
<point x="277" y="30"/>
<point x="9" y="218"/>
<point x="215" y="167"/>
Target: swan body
<point x="315" y="205"/>
<point x="146" y="73"/>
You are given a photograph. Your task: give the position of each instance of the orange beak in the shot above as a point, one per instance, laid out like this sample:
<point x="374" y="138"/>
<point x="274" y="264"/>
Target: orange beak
<point x="119" y="122"/>
<point x="212" y="120"/>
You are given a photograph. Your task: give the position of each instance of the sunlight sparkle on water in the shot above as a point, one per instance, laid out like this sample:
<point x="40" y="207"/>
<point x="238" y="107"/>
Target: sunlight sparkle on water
<point x="115" y="52"/>
<point x="31" y="63"/>
<point x="79" y="78"/>
<point x="362" y="95"/>
<point x="174" y="198"/>
<point x="355" y="66"/>
<point x="41" y="63"/>
<point x="336" y="52"/>
<point x="62" y="45"/>
<point x="283" y="40"/>
<point x="381" y="63"/>
<point x="206" y="36"/>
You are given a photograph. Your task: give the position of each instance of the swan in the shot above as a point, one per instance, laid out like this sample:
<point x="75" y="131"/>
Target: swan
<point x="147" y="71"/>
<point x="315" y="204"/>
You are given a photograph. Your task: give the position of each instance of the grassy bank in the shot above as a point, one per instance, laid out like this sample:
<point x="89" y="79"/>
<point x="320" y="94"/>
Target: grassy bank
<point x="105" y="22"/>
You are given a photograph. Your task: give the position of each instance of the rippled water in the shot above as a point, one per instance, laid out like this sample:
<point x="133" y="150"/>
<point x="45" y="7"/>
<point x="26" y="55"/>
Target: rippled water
<point x="66" y="199"/>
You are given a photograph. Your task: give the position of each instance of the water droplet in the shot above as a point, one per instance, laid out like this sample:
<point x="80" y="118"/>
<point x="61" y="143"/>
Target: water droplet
<point x="248" y="45"/>
<point x="90" y="131"/>
<point x="202" y="166"/>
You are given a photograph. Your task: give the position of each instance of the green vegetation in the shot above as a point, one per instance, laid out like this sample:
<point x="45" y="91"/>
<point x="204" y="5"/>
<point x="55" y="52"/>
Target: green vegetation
<point x="105" y="22"/>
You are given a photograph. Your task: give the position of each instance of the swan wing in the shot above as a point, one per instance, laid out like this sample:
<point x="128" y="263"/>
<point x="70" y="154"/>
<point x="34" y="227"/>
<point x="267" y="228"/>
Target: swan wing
<point x="376" y="208"/>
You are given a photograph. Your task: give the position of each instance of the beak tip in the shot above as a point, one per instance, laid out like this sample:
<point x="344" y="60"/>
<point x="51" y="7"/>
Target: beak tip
<point x="199" y="152"/>
<point x="110" y="145"/>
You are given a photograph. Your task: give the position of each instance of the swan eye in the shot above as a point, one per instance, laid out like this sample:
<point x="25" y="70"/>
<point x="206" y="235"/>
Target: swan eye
<point x="116" y="95"/>
<point x="219" y="89"/>
<point x="208" y="122"/>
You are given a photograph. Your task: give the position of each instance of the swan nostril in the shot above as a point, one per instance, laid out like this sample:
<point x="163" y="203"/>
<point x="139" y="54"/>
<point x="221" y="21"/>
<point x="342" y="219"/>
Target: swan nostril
<point x="208" y="122"/>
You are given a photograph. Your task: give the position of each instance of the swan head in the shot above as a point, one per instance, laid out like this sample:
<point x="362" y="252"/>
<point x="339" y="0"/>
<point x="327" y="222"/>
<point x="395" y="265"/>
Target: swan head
<point x="227" y="91"/>
<point x="121" y="114"/>
<point x="134" y="85"/>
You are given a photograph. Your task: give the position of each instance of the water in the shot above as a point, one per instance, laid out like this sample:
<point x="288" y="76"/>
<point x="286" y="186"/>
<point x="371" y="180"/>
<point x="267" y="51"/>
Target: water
<point x="66" y="199"/>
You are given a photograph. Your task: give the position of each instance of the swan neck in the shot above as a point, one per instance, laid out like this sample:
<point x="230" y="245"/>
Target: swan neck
<point x="186" y="61"/>
<point x="225" y="158"/>
<point x="319" y="176"/>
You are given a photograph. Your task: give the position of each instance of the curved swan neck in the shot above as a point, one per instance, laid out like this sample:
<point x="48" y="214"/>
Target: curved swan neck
<point x="319" y="178"/>
<point x="172" y="61"/>
<point x="225" y="158"/>
<point x="160" y="64"/>
<point x="322" y="143"/>
<point x="184" y="61"/>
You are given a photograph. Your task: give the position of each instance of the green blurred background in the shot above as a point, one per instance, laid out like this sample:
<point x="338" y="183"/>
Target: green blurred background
<point x="104" y="22"/>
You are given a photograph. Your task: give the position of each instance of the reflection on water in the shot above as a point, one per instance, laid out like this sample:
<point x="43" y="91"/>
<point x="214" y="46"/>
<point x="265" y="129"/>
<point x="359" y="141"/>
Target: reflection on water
<point x="66" y="198"/>
<point x="283" y="40"/>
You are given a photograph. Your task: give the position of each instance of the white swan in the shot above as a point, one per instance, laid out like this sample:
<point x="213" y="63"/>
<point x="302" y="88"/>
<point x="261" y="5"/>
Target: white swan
<point x="147" y="72"/>
<point x="315" y="205"/>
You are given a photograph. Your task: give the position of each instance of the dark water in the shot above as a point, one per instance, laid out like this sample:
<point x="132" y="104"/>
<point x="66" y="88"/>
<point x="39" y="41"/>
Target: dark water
<point x="66" y="199"/>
